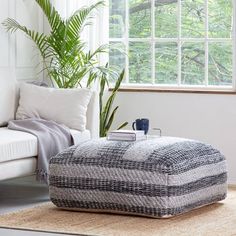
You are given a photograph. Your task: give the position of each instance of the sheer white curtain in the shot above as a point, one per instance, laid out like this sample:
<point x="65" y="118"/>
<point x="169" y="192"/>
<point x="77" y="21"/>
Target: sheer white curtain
<point x="99" y="31"/>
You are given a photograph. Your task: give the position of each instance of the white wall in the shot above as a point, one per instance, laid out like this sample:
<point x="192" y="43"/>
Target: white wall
<point x="17" y="53"/>
<point x="207" y="117"/>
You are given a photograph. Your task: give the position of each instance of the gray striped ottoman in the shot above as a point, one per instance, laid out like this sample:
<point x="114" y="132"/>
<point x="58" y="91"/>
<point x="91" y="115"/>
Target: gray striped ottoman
<point x="159" y="177"/>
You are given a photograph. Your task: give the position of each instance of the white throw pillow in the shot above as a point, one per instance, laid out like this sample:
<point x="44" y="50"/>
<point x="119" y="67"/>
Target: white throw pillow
<point x="65" y="106"/>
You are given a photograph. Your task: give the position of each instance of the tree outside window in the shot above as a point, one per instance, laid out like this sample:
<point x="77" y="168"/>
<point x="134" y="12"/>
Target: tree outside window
<point x="173" y="42"/>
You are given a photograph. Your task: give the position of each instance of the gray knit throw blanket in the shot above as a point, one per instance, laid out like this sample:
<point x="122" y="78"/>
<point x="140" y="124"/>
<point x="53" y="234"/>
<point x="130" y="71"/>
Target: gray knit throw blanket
<point x="52" y="139"/>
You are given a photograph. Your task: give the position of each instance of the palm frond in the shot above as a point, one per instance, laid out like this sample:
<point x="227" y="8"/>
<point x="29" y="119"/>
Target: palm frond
<point x="101" y="49"/>
<point x="39" y="39"/>
<point x="51" y="13"/>
<point x="81" y="18"/>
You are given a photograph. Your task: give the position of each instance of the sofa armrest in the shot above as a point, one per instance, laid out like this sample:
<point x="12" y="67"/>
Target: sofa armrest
<point x="93" y="115"/>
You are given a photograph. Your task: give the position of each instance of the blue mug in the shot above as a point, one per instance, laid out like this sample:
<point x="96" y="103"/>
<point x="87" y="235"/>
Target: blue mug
<point x="141" y="124"/>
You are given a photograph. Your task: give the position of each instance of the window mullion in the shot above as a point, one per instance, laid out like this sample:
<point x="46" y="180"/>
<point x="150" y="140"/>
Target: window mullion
<point x="153" y="40"/>
<point x="179" y="43"/>
<point x="234" y="46"/>
<point x="127" y="41"/>
<point x="206" y="43"/>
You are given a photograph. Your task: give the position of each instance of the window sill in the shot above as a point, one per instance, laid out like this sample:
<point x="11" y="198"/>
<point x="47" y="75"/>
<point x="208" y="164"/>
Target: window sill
<point x="176" y="90"/>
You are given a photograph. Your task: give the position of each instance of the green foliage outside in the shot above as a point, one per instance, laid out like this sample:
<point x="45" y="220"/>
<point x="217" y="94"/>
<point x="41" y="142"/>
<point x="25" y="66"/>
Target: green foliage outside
<point x="193" y="25"/>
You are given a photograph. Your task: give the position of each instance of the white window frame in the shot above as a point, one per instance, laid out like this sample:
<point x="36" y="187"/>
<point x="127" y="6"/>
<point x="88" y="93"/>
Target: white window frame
<point x="179" y="40"/>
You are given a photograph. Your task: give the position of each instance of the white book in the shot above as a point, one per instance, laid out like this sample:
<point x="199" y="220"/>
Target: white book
<point x="126" y="135"/>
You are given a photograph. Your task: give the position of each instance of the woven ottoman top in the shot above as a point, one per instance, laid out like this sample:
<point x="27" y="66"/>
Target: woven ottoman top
<point x="156" y="177"/>
<point x="166" y="155"/>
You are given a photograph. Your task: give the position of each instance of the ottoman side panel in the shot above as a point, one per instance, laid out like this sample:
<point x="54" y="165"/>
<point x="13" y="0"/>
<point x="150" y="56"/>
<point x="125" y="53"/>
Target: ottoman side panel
<point x="198" y="178"/>
<point x="112" y="189"/>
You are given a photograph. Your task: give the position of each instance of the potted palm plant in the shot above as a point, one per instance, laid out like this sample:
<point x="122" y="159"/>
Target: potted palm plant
<point x="64" y="55"/>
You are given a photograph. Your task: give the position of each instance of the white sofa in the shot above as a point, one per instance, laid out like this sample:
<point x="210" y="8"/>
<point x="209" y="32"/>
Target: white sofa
<point x="18" y="150"/>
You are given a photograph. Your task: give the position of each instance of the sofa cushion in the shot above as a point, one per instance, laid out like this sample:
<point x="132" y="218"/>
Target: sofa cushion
<point x="16" y="144"/>
<point x="7" y="97"/>
<point x="79" y="136"/>
<point x="65" y="106"/>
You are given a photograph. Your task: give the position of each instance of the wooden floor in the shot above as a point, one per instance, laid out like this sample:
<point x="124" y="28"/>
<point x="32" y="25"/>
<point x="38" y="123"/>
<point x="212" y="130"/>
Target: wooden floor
<point x="21" y="194"/>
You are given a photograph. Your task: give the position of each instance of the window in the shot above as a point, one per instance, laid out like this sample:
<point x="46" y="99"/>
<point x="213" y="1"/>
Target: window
<point x="173" y="43"/>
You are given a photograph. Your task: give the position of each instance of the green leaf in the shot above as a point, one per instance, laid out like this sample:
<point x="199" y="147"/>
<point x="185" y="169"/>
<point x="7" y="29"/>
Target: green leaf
<point x="106" y="115"/>
<point x="80" y="19"/>
<point x="123" y="125"/>
<point x="50" y="12"/>
<point x="111" y="118"/>
<point x="110" y="100"/>
<point x="39" y="39"/>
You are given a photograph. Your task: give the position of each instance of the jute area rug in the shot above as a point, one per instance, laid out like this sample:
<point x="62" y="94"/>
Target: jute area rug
<point x="217" y="220"/>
